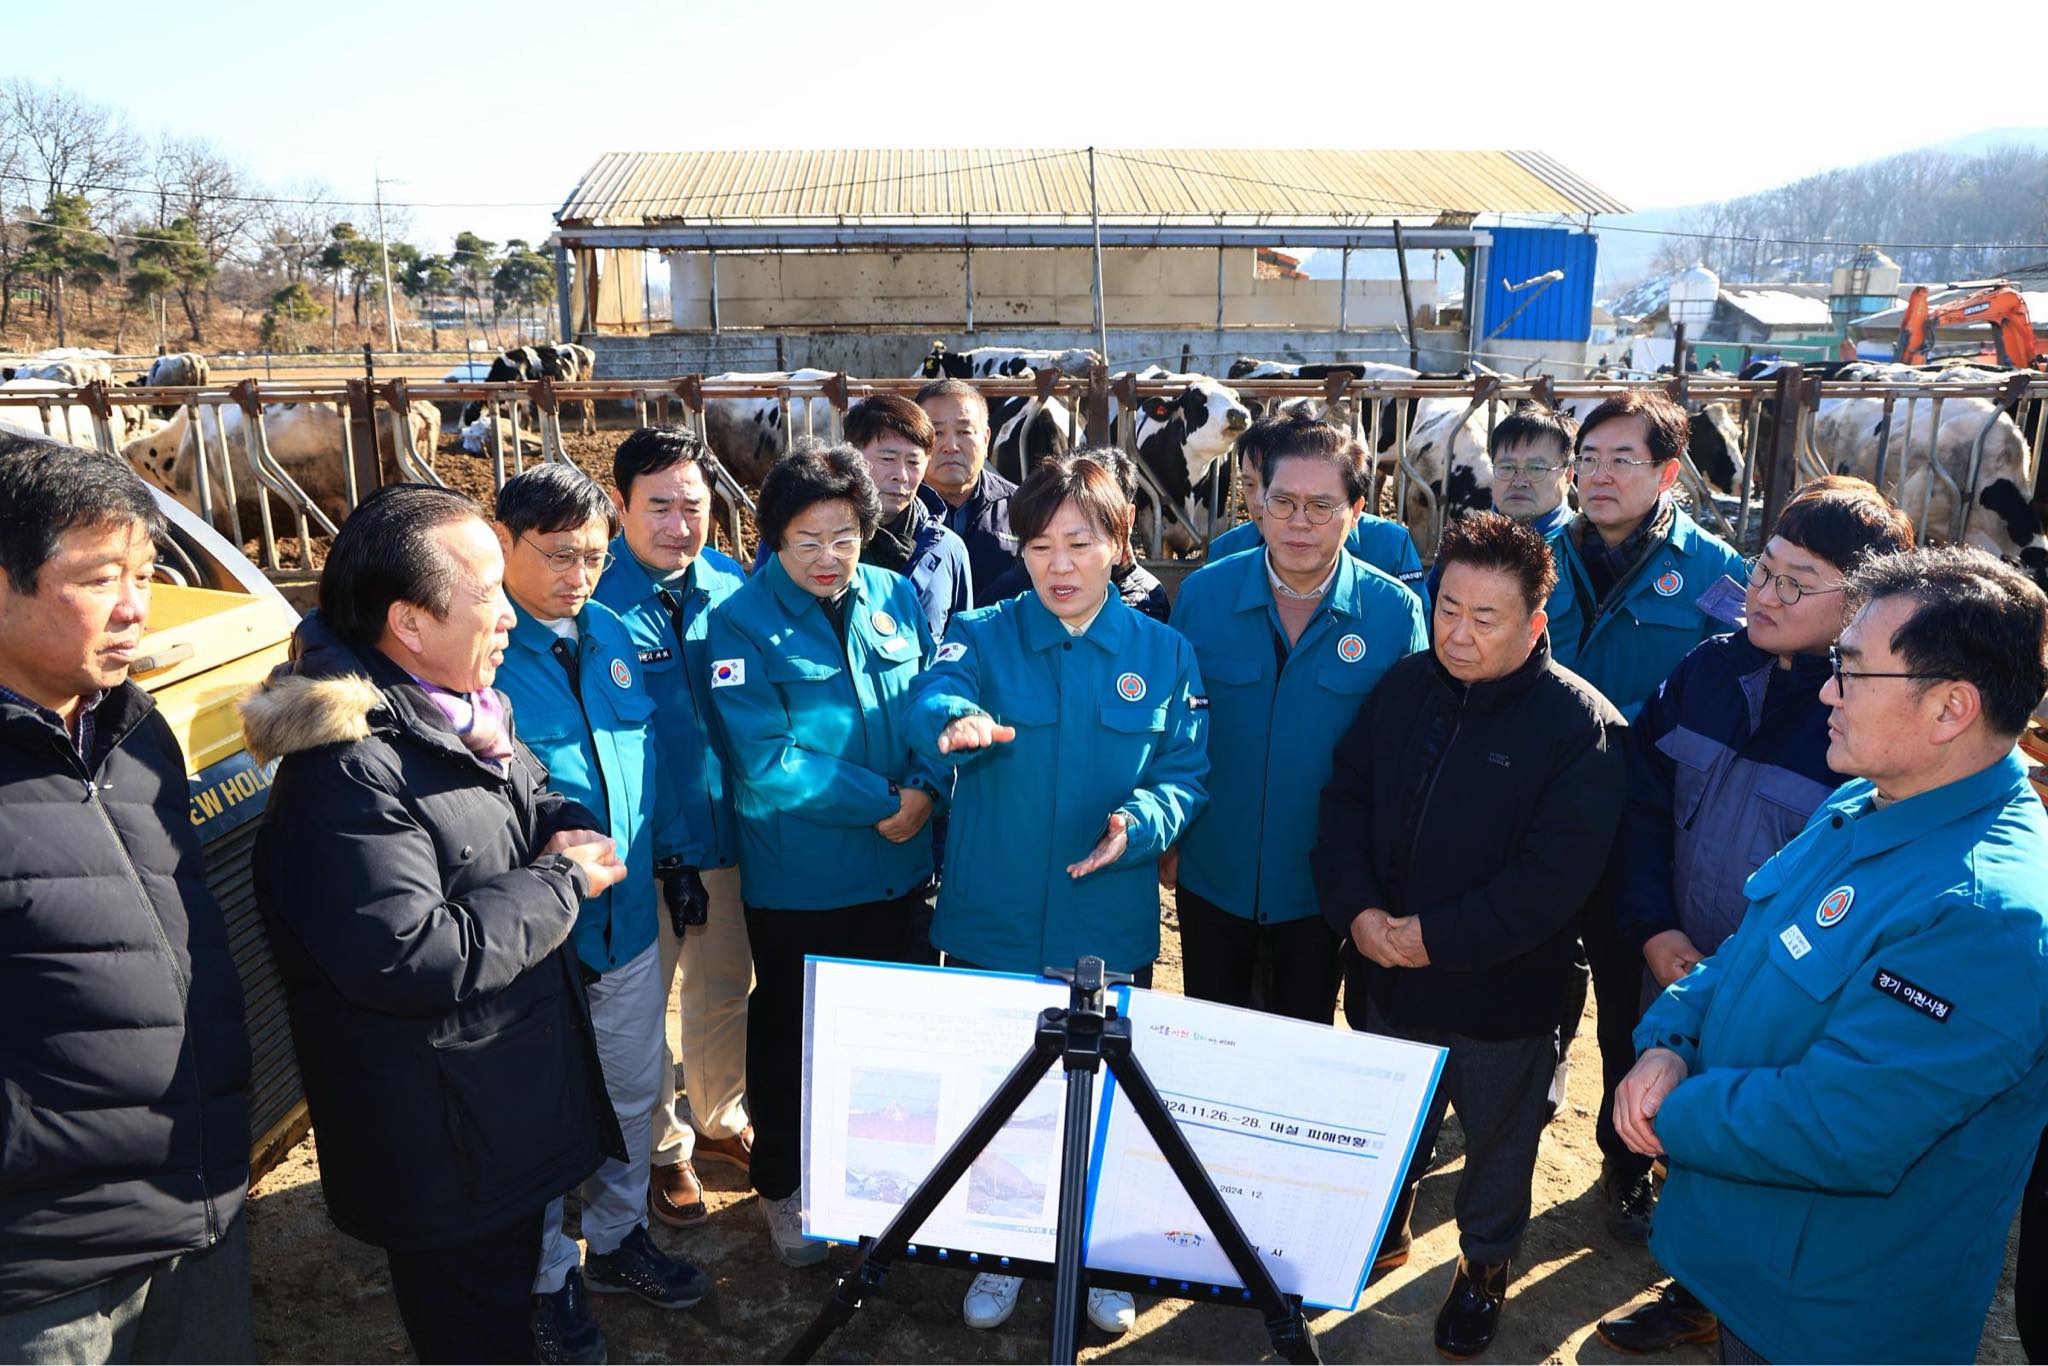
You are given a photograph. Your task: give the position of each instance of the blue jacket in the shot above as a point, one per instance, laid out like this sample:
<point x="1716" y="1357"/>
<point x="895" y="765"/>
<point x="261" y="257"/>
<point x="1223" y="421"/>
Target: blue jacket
<point x="1379" y="541"/>
<point x="1108" y="721"/>
<point x="814" y="732"/>
<point x="1275" y="716"/>
<point x="694" y="816"/>
<point x="1868" y="1062"/>
<point x="983" y="522"/>
<point x="1626" y="646"/>
<point x="1728" y="760"/>
<point x="599" y="752"/>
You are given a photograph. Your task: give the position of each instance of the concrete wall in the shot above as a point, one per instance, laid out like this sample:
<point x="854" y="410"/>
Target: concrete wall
<point x="1041" y="288"/>
<point x="873" y="354"/>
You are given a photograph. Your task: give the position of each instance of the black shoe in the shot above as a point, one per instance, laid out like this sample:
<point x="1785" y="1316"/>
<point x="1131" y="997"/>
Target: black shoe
<point x="1466" y="1324"/>
<point x="1630" y="1202"/>
<point x="563" y="1330"/>
<point x="638" y="1267"/>
<point x="1671" y="1320"/>
<point x="1399" y="1239"/>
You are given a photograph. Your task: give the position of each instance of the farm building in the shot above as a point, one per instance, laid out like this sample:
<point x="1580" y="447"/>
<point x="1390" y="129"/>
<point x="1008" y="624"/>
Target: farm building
<point x="1880" y="328"/>
<point x="856" y="259"/>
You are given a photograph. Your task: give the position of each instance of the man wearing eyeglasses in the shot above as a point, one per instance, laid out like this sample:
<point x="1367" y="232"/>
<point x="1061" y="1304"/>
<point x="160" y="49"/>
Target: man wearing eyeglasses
<point x="1849" y="1092"/>
<point x="1729" y="761"/>
<point x="1631" y="572"/>
<point x="1531" y="450"/>
<point x="572" y="672"/>
<point x="1289" y="642"/>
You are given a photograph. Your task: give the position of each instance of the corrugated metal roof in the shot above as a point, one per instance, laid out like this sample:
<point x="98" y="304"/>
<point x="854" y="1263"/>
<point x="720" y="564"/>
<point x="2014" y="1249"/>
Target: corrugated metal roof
<point x="1036" y="186"/>
<point x="1780" y="308"/>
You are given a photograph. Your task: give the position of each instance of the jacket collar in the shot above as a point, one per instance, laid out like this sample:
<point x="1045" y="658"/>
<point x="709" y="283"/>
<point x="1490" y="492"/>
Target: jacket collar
<point x="791" y="594"/>
<point x="1110" y="629"/>
<point x="114" y="716"/>
<point x="1496" y="693"/>
<point x="1255" y="591"/>
<point x="320" y="654"/>
<point x="1886" y="828"/>
<point x="529" y="632"/>
<point x="634" y="575"/>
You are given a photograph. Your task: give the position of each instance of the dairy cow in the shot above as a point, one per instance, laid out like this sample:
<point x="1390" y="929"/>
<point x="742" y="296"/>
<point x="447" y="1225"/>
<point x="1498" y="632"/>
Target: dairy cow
<point x="1002" y="362"/>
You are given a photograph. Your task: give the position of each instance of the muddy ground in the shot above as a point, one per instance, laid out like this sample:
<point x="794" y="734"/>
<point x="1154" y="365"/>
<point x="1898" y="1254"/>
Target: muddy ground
<point x="321" y="1296"/>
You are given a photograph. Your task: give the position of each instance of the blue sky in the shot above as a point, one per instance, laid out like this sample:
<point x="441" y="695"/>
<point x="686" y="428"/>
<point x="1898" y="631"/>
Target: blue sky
<point x="494" y="110"/>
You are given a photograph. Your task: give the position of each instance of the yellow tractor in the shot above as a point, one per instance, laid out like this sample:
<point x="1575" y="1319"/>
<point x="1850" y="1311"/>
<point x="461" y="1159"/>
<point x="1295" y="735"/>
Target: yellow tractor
<point x="216" y="627"/>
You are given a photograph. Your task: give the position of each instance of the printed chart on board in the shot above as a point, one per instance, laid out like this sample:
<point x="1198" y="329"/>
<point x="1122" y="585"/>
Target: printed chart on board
<point x="1305" y="1130"/>
<point x="897" y="1060"/>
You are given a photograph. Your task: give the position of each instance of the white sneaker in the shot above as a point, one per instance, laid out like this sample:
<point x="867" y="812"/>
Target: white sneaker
<point x="785" y="1220"/>
<point x="1113" y="1311"/>
<point x="992" y="1299"/>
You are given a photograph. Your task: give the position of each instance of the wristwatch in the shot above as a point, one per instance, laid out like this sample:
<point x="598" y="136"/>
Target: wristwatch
<point x="567" y="867"/>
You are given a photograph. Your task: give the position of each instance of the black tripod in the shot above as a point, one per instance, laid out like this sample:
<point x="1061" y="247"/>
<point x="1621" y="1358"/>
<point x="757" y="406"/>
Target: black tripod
<point x="1082" y="1037"/>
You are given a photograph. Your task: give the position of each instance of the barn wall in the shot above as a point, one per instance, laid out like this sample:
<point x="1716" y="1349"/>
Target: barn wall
<point x="1044" y="288"/>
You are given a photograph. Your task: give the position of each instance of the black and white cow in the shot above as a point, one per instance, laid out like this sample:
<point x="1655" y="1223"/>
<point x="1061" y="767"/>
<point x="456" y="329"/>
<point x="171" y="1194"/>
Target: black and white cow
<point x="1002" y="362"/>
<point x="527" y="363"/>
<point x="1180" y="438"/>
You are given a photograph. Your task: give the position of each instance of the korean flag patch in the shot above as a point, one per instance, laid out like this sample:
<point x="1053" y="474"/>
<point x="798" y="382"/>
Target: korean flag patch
<point x="728" y="673"/>
<point x="949" y="652"/>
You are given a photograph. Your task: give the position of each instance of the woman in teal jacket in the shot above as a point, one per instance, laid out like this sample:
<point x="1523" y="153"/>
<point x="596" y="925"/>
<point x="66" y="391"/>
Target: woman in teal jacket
<point x="1078" y="728"/>
<point x="811" y="659"/>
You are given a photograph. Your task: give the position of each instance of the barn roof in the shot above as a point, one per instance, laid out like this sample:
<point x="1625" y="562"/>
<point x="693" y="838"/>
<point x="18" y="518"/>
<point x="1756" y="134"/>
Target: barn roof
<point x="1027" y="187"/>
<point x="1780" y="308"/>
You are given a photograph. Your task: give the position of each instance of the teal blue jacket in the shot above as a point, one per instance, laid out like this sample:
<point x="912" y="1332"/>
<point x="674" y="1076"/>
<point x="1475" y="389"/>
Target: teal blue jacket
<point x="1650" y="621"/>
<point x="694" y="815"/>
<point x="814" y="732"/>
<point x="1109" y="721"/>
<point x="1868" y="1061"/>
<point x="1275" y="716"/>
<point x="1380" y="542"/>
<point x="600" y="752"/>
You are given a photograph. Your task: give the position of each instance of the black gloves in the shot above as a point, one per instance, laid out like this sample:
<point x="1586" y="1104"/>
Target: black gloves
<point x="688" y="903"/>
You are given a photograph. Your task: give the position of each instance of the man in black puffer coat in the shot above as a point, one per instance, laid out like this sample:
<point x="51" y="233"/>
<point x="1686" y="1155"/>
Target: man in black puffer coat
<point x="419" y="882"/>
<point x="1469" y="812"/>
<point x="124" y="1064"/>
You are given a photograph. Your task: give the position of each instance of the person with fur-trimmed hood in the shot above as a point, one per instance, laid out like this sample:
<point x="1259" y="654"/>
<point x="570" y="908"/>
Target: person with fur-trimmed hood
<point x="419" y="883"/>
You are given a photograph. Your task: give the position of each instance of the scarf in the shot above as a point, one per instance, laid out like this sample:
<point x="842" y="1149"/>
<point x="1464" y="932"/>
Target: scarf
<point x="478" y="720"/>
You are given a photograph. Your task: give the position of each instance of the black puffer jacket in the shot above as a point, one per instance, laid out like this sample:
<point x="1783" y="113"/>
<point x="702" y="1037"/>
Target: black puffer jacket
<point x="124" y="1124"/>
<point x="438" y="1016"/>
<point x="1488" y="811"/>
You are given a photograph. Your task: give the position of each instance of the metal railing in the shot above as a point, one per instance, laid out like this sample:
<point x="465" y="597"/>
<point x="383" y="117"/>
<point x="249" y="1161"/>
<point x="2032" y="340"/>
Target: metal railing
<point x="1777" y="421"/>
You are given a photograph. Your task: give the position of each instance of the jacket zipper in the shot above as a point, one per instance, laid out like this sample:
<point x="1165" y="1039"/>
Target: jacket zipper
<point x="178" y="979"/>
<point x="1429" y="793"/>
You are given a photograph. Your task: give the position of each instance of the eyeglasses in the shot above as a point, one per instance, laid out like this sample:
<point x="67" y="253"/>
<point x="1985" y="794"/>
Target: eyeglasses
<point x="1531" y="471"/>
<point x="1842" y="674"/>
<point x="838" y="550"/>
<point x="562" y="561"/>
<point x="1609" y="464"/>
<point x="1788" y="589"/>
<point x="1319" y="510"/>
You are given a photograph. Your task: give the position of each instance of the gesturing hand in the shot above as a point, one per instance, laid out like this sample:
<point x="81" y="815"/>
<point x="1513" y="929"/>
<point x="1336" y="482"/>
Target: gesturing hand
<point x="1107" y="850"/>
<point x="978" y="731"/>
<point x="597" y="857"/>
<point x="1641" y="1095"/>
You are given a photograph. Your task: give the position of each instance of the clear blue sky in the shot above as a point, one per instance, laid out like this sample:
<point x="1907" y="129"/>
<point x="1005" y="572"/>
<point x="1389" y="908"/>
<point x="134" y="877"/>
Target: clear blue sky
<point x="501" y="106"/>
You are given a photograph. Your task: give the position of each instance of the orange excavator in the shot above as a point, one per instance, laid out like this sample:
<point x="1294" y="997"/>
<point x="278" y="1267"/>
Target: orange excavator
<point x="1999" y="305"/>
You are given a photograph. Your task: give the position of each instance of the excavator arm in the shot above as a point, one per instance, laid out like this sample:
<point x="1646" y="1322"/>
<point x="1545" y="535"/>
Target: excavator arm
<point x="2000" y="306"/>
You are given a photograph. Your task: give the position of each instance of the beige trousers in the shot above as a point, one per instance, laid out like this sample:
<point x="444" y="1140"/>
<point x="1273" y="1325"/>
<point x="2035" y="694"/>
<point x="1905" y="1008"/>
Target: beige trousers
<point x="717" y="973"/>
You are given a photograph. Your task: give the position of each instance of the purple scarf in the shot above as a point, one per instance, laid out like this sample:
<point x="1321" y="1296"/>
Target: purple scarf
<point x="478" y="720"/>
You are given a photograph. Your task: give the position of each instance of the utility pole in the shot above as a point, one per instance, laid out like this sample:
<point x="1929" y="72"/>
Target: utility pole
<point x="1095" y="222"/>
<point x="384" y="249"/>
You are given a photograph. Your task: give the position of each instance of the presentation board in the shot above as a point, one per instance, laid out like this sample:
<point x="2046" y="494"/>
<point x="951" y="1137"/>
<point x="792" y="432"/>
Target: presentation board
<point x="1305" y="1129"/>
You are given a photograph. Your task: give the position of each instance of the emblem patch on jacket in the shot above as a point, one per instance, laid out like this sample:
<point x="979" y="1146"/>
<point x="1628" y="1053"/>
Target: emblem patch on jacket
<point x="1130" y="687"/>
<point x="1668" y="583"/>
<point x="728" y="673"/>
<point x="621" y="675"/>
<point x="1834" y="906"/>
<point x="1918" y="997"/>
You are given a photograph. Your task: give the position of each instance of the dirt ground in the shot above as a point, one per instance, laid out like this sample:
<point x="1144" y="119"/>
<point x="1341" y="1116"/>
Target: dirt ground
<point x="321" y="1296"/>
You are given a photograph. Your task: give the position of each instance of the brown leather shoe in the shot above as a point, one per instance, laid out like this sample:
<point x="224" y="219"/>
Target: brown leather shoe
<point x="674" y="1195"/>
<point x="1671" y="1320"/>
<point x="737" y="1151"/>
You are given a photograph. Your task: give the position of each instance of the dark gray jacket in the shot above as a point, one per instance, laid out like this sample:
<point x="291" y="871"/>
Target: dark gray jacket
<point x="124" y="1062"/>
<point x="1728" y="759"/>
<point x="436" y="1008"/>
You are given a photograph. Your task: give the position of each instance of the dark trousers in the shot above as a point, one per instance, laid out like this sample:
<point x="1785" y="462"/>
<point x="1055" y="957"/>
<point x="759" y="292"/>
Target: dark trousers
<point x="1618" y="1003"/>
<point x="1736" y="1352"/>
<point x="1289" y="969"/>
<point x="472" y="1302"/>
<point x="190" y="1307"/>
<point x="873" y="930"/>
<point x="1500" y="1089"/>
<point x="2030" y="1280"/>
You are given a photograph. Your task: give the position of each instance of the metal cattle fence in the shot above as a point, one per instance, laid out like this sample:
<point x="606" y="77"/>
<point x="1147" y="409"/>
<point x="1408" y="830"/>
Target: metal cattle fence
<point x="378" y="440"/>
